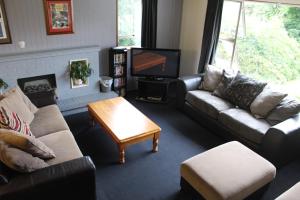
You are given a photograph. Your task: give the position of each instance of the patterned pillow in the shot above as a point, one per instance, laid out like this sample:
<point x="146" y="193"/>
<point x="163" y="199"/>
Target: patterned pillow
<point x="11" y="120"/>
<point x="243" y="90"/>
<point x="226" y="79"/>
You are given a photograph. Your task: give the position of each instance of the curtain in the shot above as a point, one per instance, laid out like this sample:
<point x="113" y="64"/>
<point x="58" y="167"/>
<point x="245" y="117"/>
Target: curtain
<point x="149" y="23"/>
<point x="211" y="33"/>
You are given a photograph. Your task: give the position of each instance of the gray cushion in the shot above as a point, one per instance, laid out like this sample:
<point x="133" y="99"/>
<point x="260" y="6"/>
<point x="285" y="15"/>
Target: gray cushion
<point x="206" y="102"/>
<point x="19" y="160"/>
<point x="286" y="109"/>
<point x="230" y="171"/>
<point x="243" y="90"/>
<point x="211" y="78"/>
<point x="292" y="194"/>
<point x="64" y="146"/>
<point x="244" y="125"/>
<point x="226" y="79"/>
<point x="266" y="101"/>
<point x="47" y="120"/>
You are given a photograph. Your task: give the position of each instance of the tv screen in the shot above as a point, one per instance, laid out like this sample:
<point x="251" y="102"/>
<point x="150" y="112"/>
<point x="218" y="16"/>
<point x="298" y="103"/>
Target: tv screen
<point x="159" y="63"/>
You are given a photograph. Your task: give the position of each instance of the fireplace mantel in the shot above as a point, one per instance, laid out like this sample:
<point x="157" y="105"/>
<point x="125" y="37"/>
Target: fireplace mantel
<point x="47" y="53"/>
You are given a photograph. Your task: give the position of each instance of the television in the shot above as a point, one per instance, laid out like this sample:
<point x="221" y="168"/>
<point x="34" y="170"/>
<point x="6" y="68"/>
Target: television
<point x="155" y="63"/>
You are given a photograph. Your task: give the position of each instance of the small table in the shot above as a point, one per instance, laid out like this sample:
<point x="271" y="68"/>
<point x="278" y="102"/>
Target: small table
<point x="124" y="123"/>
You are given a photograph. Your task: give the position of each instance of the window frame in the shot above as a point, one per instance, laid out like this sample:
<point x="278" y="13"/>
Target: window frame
<point x="242" y="12"/>
<point x="117" y="27"/>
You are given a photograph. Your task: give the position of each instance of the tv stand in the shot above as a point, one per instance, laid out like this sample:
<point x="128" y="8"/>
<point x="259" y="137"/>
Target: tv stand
<point x="154" y="90"/>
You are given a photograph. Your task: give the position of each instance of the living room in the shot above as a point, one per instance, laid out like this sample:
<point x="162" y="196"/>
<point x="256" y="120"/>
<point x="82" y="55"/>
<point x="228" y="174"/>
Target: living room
<point x="149" y="99"/>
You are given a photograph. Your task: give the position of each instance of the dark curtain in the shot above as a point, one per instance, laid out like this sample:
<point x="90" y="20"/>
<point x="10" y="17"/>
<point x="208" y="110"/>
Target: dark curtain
<point x="149" y="23"/>
<point x="211" y="33"/>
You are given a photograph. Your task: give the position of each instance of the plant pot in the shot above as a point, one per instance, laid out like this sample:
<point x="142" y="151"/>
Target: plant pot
<point x="77" y="81"/>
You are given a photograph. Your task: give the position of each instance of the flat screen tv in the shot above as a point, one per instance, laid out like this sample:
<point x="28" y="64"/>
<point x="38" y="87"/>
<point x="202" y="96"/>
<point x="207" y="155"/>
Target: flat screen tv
<point x="155" y="63"/>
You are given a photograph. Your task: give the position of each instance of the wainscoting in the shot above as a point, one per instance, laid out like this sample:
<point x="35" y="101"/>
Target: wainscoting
<point x="13" y="67"/>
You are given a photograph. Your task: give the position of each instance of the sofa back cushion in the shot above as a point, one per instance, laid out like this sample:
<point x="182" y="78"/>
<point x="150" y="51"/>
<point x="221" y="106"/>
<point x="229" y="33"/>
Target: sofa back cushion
<point x="243" y="90"/>
<point x="266" y="101"/>
<point x="14" y="102"/>
<point x="211" y="79"/>
<point x="25" y="99"/>
<point x="287" y="108"/>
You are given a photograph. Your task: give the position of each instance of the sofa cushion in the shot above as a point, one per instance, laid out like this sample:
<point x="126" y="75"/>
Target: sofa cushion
<point x="226" y="79"/>
<point x="14" y="102"/>
<point x="206" y="102"/>
<point x="47" y="120"/>
<point x="25" y="99"/>
<point x="19" y="160"/>
<point x="243" y="124"/>
<point x="266" y="101"/>
<point x="11" y="121"/>
<point x="287" y="108"/>
<point x="243" y="90"/>
<point x="211" y="78"/>
<point x="64" y="146"/>
<point x="29" y="144"/>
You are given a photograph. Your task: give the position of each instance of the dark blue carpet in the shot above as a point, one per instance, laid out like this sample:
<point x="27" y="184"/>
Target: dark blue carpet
<point x="154" y="176"/>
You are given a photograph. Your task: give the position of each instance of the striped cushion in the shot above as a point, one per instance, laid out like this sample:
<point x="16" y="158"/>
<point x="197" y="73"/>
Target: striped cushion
<point x="11" y="120"/>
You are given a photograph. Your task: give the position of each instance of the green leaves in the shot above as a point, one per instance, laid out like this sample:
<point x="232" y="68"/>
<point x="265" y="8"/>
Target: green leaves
<point x="80" y="70"/>
<point x="3" y="84"/>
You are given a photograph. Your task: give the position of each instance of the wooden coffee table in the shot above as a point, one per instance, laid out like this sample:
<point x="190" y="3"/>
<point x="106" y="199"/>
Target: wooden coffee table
<point x="124" y="123"/>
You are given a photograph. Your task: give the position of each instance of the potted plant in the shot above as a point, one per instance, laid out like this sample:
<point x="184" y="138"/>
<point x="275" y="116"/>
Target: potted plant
<point x="79" y="72"/>
<point x="3" y="85"/>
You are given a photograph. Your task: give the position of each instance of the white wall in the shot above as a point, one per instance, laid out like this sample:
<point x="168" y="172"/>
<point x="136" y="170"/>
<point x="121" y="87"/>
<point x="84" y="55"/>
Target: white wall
<point x="192" y="25"/>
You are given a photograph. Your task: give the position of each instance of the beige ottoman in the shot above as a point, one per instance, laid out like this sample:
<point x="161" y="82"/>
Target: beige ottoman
<point x="292" y="194"/>
<point x="230" y="171"/>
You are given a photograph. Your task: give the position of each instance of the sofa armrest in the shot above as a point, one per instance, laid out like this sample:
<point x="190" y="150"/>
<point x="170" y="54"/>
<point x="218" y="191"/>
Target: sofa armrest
<point x="73" y="179"/>
<point x="281" y="142"/>
<point x="185" y="84"/>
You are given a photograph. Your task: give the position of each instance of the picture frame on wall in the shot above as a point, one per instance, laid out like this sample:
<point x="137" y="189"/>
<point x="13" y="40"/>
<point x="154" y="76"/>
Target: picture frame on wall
<point x="59" y="16"/>
<point x="5" y="37"/>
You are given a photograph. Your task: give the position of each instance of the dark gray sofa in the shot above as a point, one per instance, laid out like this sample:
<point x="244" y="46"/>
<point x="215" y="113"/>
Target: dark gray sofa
<point x="279" y="144"/>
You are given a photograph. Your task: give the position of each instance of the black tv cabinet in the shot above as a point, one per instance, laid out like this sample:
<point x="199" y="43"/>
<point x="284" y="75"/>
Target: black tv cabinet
<point x="154" y="90"/>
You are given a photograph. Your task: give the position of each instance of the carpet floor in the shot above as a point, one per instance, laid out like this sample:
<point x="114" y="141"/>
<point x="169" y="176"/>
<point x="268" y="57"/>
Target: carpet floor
<point x="154" y="176"/>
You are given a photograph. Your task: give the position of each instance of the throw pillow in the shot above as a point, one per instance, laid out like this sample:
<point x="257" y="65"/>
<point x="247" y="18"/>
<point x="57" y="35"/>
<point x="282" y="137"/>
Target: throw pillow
<point x="26" y="143"/>
<point x="11" y="120"/>
<point x="211" y="79"/>
<point x="225" y="81"/>
<point x="25" y="99"/>
<point x="15" y="103"/>
<point x="287" y="108"/>
<point x="19" y="160"/>
<point x="266" y="101"/>
<point x="243" y="90"/>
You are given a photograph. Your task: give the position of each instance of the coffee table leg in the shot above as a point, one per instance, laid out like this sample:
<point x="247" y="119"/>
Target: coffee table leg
<point x="155" y="142"/>
<point x="121" y="154"/>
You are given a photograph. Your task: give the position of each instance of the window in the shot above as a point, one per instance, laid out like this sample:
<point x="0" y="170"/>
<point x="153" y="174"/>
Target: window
<point x="262" y="40"/>
<point x="129" y="22"/>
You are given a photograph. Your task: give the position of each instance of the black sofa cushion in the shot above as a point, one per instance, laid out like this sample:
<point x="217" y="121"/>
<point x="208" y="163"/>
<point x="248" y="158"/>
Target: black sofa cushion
<point x="243" y="90"/>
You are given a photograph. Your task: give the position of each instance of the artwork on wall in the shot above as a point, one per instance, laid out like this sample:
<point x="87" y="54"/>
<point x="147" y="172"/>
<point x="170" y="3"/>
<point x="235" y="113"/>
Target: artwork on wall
<point x="59" y="16"/>
<point x="80" y="72"/>
<point x="4" y="29"/>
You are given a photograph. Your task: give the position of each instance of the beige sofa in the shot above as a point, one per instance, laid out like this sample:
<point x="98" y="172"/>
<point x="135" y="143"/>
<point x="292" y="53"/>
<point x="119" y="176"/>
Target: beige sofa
<point x="70" y="174"/>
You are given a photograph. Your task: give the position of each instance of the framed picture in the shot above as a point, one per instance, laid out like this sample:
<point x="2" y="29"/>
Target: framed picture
<point x="4" y="28"/>
<point x="59" y="16"/>
<point x="79" y="67"/>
